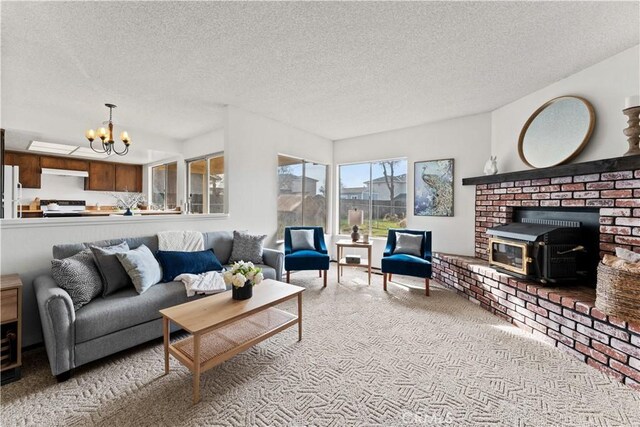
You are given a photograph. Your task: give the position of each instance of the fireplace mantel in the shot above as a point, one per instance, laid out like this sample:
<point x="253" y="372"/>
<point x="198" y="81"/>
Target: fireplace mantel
<point x="597" y="166"/>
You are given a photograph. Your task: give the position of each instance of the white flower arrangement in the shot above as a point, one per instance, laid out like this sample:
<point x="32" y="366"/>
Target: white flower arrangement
<point x="242" y="272"/>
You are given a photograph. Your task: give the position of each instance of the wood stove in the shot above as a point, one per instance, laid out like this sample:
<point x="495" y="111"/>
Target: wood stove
<point x="548" y="251"/>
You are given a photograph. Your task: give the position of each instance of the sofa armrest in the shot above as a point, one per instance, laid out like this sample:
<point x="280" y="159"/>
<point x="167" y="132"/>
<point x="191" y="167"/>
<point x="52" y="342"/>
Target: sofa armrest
<point x="58" y="323"/>
<point x="274" y="258"/>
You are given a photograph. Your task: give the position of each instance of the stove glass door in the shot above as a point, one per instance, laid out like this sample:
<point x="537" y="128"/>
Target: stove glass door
<point x="511" y="256"/>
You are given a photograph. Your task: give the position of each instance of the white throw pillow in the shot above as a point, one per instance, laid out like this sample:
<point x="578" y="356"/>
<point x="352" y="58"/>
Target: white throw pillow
<point x="409" y="244"/>
<point x="302" y="240"/>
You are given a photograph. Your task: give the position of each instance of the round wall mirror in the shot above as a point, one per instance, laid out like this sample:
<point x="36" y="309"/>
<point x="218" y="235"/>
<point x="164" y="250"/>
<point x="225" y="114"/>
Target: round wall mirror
<point x="556" y="132"/>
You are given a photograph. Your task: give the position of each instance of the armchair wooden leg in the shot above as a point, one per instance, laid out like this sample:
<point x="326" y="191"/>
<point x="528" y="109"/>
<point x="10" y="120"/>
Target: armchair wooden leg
<point x="384" y="281"/>
<point x="288" y="276"/>
<point x="426" y="286"/>
<point x="390" y="277"/>
<point x="325" y="279"/>
<point x="319" y="273"/>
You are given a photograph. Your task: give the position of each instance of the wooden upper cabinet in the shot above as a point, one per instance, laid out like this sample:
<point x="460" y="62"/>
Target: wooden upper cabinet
<point x="29" y="165"/>
<point x="102" y="177"/>
<point x="128" y="178"/>
<point x="63" y="163"/>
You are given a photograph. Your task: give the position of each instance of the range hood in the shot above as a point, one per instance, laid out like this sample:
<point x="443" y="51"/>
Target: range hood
<point x="65" y="172"/>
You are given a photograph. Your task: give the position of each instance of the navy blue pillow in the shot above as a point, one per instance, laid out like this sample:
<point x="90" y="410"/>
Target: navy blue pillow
<point x="175" y="263"/>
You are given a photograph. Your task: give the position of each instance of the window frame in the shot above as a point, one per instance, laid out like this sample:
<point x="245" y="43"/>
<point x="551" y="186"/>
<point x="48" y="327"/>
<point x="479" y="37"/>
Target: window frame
<point x="304" y="162"/>
<point x="206" y="206"/>
<point x="370" y="192"/>
<point x="166" y="183"/>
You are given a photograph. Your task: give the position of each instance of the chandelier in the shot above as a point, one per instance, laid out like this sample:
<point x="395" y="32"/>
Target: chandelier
<point x="106" y="136"/>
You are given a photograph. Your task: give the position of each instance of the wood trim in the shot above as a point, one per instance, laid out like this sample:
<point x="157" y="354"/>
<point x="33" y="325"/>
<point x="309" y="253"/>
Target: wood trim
<point x="597" y="166"/>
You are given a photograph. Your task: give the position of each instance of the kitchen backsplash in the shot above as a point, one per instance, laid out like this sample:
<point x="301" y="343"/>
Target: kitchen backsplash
<point x="66" y="188"/>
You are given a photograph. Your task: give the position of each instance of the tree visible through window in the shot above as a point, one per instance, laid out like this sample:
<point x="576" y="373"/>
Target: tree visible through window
<point x="380" y="190"/>
<point x="301" y="193"/>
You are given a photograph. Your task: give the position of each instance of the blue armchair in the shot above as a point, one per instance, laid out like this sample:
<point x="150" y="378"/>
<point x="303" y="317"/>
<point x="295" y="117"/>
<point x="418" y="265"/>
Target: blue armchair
<point x="305" y="259"/>
<point x="404" y="264"/>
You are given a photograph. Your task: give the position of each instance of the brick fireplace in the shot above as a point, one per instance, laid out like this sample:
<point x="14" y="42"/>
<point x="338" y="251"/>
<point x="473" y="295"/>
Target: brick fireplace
<point x="565" y="315"/>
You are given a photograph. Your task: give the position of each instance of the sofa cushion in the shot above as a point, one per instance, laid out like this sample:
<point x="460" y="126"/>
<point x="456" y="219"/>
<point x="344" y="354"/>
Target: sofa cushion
<point x="302" y="240"/>
<point x="70" y="249"/>
<point x="175" y="263"/>
<point x="79" y="276"/>
<point x="114" y="276"/>
<point x="408" y="265"/>
<point x="126" y="308"/>
<point x="267" y="272"/>
<point x="247" y="247"/>
<point x="306" y="260"/>
<point x="221" y="242"/>
<point x="142" y="267"/>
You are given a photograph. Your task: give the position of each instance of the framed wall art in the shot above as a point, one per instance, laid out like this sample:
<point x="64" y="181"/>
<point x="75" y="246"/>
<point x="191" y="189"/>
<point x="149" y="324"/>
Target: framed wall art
<point x="433" y="188"/>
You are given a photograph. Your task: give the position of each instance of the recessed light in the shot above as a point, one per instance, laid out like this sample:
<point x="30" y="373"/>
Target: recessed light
<point x="51" y="147"/>
<point x="88" y="152"/>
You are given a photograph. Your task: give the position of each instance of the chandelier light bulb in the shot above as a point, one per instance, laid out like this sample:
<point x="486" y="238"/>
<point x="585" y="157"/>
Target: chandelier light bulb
<point x="90" y="134"/>
<point x="124" y="136"/>
<point x="102" y="133"/>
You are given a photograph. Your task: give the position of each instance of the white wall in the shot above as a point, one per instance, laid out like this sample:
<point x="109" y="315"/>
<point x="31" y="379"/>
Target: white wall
<point x="465" y="139"/>
<point x="605" y="84"/>
<point x="252" y="144"/>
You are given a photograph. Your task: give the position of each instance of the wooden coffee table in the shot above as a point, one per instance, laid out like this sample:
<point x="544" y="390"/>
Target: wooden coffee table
<point x="222" y="327"/>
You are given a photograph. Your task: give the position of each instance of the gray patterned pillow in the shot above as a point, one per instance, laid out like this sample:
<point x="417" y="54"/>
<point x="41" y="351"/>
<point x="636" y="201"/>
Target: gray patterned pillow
<point x="247" y="247"/>
<point x="79" y="276"/>
<point x="409" y="244"/>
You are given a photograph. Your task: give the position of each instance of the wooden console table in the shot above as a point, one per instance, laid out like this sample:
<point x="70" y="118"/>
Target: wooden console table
<point x="342" y="261"/>
<point x="11" y="324"/>
<point x="222" y="327"/>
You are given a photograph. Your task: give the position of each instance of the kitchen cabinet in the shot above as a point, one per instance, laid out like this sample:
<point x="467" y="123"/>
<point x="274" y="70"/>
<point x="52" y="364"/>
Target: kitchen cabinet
<point x="29" y="165"/>
<point x="128" y="178"/>
<point x="63" y="163"/>
<point x="102" y="177"/>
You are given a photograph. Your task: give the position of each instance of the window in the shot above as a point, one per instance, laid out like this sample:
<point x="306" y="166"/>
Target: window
<point x="164" y="184"/>
<point x="205" y="181"/>
<point x="379" y="189"/>
<point x="301" y="193"/>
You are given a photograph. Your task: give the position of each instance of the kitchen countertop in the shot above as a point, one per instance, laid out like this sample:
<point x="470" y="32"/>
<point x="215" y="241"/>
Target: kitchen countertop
<point x="138" y="212"/>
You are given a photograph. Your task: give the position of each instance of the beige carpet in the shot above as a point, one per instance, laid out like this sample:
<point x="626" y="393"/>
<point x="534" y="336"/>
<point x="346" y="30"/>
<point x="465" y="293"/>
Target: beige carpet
<point x="367" y="358"/>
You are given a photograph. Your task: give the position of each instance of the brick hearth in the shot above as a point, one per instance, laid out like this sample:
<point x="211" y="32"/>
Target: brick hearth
<point x="563" y="316"/>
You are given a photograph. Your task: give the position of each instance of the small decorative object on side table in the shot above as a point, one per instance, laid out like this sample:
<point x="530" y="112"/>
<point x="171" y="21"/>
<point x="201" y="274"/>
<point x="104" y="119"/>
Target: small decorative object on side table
<point x="632" y="132"/>
<point x="364" y="262"/>
<point x="11" y="335"/>
<point x="243" y="276"/>
<point x="356" y="218"/>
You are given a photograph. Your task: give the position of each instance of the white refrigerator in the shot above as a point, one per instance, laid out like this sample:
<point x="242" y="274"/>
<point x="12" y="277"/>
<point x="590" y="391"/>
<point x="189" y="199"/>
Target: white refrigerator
<point x="11" y="193"/>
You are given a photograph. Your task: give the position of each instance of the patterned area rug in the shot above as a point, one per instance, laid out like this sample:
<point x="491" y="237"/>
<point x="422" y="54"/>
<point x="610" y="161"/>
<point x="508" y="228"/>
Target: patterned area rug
<point x="367" y="358"/>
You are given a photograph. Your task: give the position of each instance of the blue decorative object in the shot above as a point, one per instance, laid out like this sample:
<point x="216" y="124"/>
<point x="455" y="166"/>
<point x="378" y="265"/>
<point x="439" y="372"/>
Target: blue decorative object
<point x="128" y="212"/>
<point x="404" y="264"/>
<point x="305" y="259"/>
<point x="175" y="263"/>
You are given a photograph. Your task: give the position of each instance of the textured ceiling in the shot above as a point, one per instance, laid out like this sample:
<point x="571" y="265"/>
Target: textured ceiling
<point x="335" y="69"/>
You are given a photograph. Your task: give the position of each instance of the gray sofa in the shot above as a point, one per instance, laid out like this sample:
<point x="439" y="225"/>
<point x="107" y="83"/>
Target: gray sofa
<point x="122" y="320"/>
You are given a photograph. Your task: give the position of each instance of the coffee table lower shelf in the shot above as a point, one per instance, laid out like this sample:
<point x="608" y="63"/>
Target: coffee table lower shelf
<point x="223" y="343"/>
